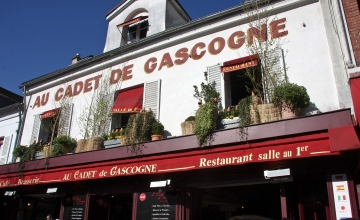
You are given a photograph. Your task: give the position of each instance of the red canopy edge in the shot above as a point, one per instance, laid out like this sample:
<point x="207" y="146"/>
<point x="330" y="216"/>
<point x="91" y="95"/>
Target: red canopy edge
<point x="211" y="158"/>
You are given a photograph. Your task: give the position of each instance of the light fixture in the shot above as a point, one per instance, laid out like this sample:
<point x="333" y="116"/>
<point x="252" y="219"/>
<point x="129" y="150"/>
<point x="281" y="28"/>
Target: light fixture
<point x="9" y="193"/>
<point x="51" y="190"/>
<point x="162" y="183"/>
<point x="276" y="173"/>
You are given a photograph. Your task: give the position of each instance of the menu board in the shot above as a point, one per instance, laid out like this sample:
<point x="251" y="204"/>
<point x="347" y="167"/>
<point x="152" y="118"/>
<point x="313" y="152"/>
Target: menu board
<point x="74" y="207"/>
<point x="156" y="206"/>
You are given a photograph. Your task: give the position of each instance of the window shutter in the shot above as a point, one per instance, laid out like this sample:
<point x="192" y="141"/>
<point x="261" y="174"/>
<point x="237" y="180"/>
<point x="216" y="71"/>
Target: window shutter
<point x="65" y="120"/>
<point x="152" y="97"/>
<point x="5" y="150"/>
<point x="36" y="129"/>
<point x="215" y="76"/>
<point x="276" y="67"/>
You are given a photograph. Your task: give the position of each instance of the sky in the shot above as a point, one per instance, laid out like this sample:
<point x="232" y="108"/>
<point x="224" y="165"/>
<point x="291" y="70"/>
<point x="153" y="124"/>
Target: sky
<point x="41" y="36"/>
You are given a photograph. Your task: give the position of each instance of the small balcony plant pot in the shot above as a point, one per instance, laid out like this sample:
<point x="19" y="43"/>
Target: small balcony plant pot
<point x="156" y="137"/>
<point x="157" y="131"/>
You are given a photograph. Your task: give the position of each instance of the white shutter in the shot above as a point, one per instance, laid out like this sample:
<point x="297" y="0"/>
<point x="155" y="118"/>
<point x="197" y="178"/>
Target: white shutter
<point x="215" y="76"/>
<point x="65" y="120"/>
<point x="36" y="129"/>
<point x="152" y="97"/>
<point x="275" y="64"/>
<point x="5" y="150"/>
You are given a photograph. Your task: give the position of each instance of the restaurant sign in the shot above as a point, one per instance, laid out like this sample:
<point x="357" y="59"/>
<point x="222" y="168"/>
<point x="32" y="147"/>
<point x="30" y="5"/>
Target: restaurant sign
<point x="201" y="159"/>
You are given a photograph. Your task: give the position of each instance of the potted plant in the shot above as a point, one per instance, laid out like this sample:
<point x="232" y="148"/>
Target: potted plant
<point x="206" y="115"/>
<point x="290" y="98"/>
<point x="157" y="131"/>
<point x="187" y="127"/>
<point x="20" y="151"/>
<point x="63" y="145"/>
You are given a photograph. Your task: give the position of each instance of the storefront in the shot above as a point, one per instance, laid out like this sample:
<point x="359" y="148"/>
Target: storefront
<point x="217" y="182"/>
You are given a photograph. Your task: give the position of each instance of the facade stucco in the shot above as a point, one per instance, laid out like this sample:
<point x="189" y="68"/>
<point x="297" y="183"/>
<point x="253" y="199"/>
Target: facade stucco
<point x="309" y="60"/>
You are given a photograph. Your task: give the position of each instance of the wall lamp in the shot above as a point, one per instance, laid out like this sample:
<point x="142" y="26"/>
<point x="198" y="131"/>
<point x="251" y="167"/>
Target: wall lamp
<point x="268" y="174"/>
<point x="9" y="193"/>
<point x="162" y="183"/>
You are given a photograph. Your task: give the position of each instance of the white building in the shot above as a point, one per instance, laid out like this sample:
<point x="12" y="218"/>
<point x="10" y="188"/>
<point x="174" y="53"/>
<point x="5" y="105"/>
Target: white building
<point x="301" y="168"/>
<point x="10" y="116"/>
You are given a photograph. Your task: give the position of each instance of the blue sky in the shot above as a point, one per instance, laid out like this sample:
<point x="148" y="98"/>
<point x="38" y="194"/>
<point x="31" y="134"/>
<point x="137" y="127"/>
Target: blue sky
<point x="41" y="36"/>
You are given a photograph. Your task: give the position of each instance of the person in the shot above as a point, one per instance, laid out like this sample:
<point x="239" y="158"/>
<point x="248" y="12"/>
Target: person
<point x="48" y="217"/>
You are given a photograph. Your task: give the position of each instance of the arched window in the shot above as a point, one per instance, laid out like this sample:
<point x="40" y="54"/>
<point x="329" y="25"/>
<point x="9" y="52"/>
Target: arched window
<point x="135" y="28"/>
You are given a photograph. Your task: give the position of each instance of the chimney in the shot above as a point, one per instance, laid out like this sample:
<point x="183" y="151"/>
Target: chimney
<point x="75" y="59"/>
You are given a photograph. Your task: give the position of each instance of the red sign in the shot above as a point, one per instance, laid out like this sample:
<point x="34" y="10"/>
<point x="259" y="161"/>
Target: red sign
<point x="142" y="197"/>
<point x="239" y="66"/>
<point x="201" y="159"/>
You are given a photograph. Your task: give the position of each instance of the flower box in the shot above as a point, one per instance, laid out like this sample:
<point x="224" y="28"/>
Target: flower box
<point x="112" y="143"/>
<point x="39" y="155"/>
<point x="229" y="123"/>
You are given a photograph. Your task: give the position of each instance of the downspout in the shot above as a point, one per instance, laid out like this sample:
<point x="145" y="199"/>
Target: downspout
<point x="18" y="130"/>
<point x="22" y="122"/>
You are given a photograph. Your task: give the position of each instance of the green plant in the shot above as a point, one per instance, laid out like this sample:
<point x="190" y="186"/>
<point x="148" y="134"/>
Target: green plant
<point x="105" y="136"/>
<point x="20" y="151"/>
<point x="157" y="128"/>
<point x="246" y="106"/>
<point x="205" y="123"/>
<point x="138" y="130"/>
<point x="190" y="118"/>
<point x="208" y="91"/>
<point x="292" y="96"/>
<point x="62" y="144"/>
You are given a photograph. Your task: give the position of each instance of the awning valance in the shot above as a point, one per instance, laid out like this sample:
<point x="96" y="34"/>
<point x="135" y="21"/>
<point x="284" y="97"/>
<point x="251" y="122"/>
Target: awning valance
<point x="50" y="113"/>
<point x="129" y="101"/>
<point x="127" y="23"/>
<point x="240" y="63"/>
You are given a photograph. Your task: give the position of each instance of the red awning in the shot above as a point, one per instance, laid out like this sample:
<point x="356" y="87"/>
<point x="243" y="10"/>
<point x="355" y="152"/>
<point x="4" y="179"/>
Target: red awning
<point x="127" y="23"/>
<point x="240" y="63"/>
<point x="129" y="101"/>
<point x="49" y="114"/>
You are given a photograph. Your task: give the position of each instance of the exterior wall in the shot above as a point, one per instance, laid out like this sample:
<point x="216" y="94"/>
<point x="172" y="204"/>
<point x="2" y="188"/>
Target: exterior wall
<point x="9" y="124"/>
<point x="156" y="10"/>
<point x="352" y="15"/>
<point x="173" y="16"/>
<point x="308" y="58"/>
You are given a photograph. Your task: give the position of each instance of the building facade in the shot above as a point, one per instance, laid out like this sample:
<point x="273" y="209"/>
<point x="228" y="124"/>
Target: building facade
<point x="300" y="168"/>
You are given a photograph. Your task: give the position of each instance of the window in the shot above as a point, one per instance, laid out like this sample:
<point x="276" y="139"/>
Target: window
<point x="57" y="120"/>
<point x="238" y="84"/>
<point x="137" y="31"/>
<point x="1" y="142"/>
<point x="131" y="101"/>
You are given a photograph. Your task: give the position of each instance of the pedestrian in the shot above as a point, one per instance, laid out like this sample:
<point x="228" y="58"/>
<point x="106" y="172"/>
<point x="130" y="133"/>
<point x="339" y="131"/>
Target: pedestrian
<point x="48" y="217"/>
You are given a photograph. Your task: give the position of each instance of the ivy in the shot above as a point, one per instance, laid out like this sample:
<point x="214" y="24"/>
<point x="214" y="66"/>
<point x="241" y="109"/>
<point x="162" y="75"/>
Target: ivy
<point x="138" y="130"/>
<point x="205" y="123"/>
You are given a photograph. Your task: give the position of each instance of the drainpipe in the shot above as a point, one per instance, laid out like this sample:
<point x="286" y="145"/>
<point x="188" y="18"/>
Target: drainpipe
<point x="18" y="129"/>
<point x="22" y="121"/>
<point x="343" y="34"/>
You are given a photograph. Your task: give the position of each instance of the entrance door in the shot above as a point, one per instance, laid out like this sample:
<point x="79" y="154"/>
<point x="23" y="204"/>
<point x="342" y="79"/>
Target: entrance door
<point x="256" y="200"/>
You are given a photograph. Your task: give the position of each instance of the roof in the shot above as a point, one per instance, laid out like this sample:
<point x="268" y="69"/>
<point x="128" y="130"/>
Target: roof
<point x="10" y="95"/>
<point x="11" y="107"/>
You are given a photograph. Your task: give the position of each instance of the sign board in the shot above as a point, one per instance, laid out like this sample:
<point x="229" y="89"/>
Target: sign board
<point x="156" y="205"/>
<point x="74" y="207"/>
<point x="341" y="196"/>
